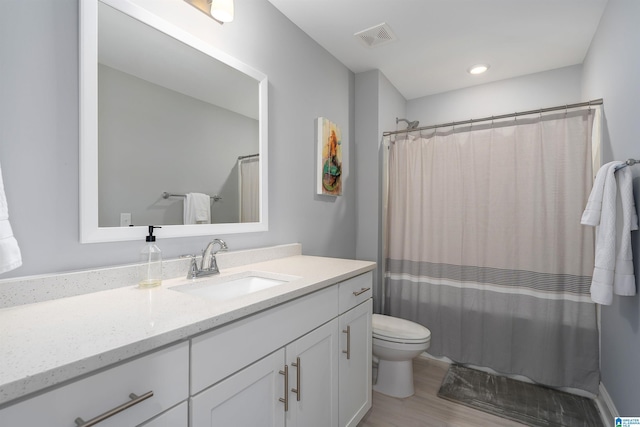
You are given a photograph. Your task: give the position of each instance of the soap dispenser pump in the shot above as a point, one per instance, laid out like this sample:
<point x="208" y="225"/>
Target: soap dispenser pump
<point x="151" y="262"/>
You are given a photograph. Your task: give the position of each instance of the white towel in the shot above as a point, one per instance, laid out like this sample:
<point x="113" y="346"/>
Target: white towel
<point x="591" y="214"/>
<point x="624" y="281"/>
<point x="605" y="259"/>
<point x="10" y="257"/>
<point x="613" y="271"/>
<point x="197" y="209"/>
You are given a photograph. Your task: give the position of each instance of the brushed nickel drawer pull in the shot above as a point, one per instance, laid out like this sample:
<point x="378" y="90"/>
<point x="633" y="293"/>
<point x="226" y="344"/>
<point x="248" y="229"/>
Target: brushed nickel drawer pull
<point x="285" y="399"/>
<point x="297" y="389"/>
<point x="361" y="291"/>
<point x="135" y="399"/>
<point x="348" y="350"/>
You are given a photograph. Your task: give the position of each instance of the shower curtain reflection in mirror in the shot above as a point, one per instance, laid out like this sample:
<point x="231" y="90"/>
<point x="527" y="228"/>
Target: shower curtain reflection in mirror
<point x="249" y="185"/>
<point x="485" y="246"/>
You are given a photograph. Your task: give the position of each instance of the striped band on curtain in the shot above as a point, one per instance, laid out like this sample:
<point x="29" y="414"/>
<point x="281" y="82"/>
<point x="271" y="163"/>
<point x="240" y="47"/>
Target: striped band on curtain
<point x="540" y="285"/>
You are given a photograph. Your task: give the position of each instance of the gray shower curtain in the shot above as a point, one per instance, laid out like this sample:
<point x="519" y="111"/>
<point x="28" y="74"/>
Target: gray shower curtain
<point x="485" y="246"/>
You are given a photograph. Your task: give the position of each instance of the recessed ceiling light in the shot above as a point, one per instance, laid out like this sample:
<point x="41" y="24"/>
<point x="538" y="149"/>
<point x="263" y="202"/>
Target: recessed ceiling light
<point x="478" y="69"/>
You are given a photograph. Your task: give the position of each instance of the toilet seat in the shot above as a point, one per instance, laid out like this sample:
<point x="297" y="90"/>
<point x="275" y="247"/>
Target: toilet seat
<point x="392" y="329"/>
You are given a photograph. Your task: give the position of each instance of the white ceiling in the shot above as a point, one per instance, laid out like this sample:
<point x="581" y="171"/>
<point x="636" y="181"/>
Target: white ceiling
<point x="438" y="40"/>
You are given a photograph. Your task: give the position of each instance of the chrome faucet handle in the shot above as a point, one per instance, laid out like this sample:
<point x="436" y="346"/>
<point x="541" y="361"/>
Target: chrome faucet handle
<point x="192" y="273"/>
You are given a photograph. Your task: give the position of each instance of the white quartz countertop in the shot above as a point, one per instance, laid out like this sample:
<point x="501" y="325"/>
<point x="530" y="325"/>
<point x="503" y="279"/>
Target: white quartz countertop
<point x="50" y="342"/>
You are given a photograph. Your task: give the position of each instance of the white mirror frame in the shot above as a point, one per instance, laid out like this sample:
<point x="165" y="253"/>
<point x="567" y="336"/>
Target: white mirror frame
<point x="90" y="231"/>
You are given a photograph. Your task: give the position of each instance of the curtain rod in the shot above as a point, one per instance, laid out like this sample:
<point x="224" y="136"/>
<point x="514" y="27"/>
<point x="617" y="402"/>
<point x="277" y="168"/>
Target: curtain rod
<point x="248" y="156"/>
<point x="503" y="116"/>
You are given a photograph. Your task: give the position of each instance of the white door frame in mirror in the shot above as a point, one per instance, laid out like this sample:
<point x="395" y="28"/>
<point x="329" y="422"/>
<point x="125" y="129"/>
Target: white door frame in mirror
<point x="90" y="231"/>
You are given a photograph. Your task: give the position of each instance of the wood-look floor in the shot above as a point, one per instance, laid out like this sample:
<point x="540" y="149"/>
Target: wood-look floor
<point x="425" y="408"/>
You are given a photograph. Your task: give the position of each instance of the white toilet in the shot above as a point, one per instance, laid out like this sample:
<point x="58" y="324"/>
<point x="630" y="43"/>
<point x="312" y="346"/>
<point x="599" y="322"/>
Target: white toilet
<point x="396" y="342"/>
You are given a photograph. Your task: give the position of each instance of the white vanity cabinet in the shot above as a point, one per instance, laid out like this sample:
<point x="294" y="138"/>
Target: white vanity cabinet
<point x="300" y="355"/>
<point x="248" y="398"/>
<point x="312" y="362"/>
<point x="222" y="352"/>
<point x="305" y="362"/>
<point x="355" y="364"/>
<point x="356" y="308"/>
<point x="164" y="373"/>
<point x="294" y="386"/>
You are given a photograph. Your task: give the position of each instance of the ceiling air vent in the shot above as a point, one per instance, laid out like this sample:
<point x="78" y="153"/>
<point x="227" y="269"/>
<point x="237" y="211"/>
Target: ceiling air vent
<point x="376" y="36"/>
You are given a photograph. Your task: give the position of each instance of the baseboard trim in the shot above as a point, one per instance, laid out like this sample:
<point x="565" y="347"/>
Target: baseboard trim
<point x="606" y="406"/>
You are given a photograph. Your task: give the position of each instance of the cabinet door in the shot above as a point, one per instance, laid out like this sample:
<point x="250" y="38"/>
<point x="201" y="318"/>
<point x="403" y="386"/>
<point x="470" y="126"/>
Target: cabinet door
<point x="248" y="398"/>
<point x="355" y="364"/>
<point x="313" y="378"/>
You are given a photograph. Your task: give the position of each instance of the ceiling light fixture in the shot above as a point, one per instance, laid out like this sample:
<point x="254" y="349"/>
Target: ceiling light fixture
<point x="222" y="10"/>
<point x="478" y="69"/>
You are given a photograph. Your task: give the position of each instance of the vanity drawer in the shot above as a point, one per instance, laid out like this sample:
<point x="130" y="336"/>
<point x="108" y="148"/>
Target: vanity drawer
<point x="355" y="291"/>
<point x="228" y="349"/>
<point x="165" y="373"/>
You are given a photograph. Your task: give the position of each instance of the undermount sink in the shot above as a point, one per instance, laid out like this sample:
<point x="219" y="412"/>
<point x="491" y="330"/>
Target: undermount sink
<point x="223" y="289"/>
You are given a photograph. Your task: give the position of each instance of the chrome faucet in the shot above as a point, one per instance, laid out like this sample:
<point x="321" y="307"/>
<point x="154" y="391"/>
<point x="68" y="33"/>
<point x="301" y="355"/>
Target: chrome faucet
<point x="208" y="264"/>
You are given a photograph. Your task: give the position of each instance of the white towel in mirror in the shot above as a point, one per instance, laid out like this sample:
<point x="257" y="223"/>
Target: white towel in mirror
<point x="10" y="257"/>
<point x="197" y="209"/>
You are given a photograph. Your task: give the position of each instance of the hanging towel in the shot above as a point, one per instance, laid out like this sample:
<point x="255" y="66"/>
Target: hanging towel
<point x="10" y="257"/>
<point x="624" y="280"/>
<point x="613" y="271"/>
<point x="591" y="214"/>
<point x="197" y="209"/>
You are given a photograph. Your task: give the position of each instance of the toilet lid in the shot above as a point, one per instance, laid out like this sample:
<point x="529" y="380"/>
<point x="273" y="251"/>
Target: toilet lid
<point x="395" y="329"/>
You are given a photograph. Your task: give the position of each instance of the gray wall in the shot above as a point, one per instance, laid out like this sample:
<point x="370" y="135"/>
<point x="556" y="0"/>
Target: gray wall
<point x="378" y="103"/>
<point x="39" y="133"/>
<point x="546" y="89"/>
<point x="611" y="71"/>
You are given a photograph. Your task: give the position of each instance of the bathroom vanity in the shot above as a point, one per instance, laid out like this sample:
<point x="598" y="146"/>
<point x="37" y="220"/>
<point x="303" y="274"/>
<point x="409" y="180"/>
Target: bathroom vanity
<point x="294" y="353"/>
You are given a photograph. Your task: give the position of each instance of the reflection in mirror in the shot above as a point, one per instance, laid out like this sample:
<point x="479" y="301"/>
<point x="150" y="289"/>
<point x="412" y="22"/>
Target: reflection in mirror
<point x="175" y="118"/>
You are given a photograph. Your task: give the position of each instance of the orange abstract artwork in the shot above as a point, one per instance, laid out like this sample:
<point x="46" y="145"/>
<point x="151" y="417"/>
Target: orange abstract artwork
<point x="329" y="158"/>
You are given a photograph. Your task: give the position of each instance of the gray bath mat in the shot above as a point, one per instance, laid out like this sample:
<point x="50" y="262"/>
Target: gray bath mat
<point x="529" y="404"/>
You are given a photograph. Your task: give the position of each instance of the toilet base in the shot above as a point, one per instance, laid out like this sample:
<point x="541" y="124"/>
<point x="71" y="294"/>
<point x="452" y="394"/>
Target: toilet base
<point x="395" y="378"/>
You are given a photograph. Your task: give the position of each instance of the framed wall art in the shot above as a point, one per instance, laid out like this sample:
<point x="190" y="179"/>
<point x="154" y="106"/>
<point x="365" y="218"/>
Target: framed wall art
<point x="329" y="169"/>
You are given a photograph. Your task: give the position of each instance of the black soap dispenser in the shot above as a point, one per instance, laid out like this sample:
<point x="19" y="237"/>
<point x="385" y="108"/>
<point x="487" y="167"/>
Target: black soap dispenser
<point x="151" y="262"/>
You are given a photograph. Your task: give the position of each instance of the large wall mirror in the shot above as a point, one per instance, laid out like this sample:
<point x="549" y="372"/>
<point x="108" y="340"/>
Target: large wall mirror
<point x="165" y="115"/>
